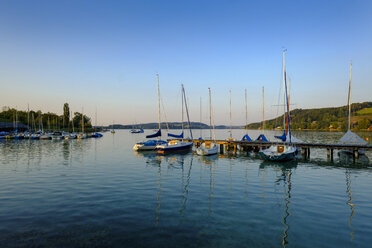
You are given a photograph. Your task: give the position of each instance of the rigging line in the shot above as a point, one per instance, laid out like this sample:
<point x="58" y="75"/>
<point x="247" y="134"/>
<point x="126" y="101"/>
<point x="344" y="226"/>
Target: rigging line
<point x="165" y="115"/>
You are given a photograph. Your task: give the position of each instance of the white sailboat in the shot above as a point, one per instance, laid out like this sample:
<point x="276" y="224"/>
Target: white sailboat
<point x="150" y="145"/>
<point x="208" y="147"/>
<point x="351" y="138"/>
<point x="282" y="152"/>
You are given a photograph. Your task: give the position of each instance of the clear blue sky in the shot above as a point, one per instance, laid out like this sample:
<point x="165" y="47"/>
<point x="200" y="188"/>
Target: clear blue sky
<point x="106" y="54"/>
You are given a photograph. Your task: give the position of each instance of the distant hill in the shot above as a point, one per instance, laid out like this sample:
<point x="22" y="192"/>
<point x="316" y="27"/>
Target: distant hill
<point x="171" y="125"/>
<point x="324" y="119"/>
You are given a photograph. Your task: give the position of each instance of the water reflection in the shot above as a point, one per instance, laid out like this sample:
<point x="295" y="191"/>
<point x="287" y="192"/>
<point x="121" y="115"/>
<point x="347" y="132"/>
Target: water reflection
<point x="185" y="187"/>
<point x="349" y="202"/>
<point x="284" y="177"/>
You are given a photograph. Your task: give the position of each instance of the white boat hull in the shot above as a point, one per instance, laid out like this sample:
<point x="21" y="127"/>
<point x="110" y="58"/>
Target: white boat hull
<point x="207" y="149"/>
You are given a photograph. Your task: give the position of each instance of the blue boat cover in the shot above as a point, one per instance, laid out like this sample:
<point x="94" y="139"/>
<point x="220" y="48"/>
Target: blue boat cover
<point x="262" y="138"/>
<point x="246" y="138"/>
<point x="153" y="142"/>
<point x="176" y="136"/>
<point x="283" y="137"/>
<point x="157" y="134"/>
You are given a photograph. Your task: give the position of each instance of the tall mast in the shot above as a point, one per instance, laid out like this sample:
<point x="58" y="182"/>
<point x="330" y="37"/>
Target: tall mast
<point x="157" y="76"/>
<point x="210" y="113"/>
<point x="96" y="119"/>
<point x="28" y="116"/>
<point x="82" y="119"/>
<point x="16" y="122"/>
<point x="246" y="111"/>
<point x="182" y="106"/>
<point x="349" y="97"/>
<point x="230" y="115"/>
<point x="187" y="111"/>
<point x="284" y="100"/>
<point x="200" y="116"/>
<point x="72" y="122"/>
<point x="263" y="109"/>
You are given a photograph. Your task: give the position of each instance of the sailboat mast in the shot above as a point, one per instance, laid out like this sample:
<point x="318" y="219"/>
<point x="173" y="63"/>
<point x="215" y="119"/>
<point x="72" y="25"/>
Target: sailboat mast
<point x="187" y="111"/>
<point x="246" y="111"/>
<point x="182" y="106"/>
<point x="157" y="76"/>
<point x="349" y="98"/>
<point x="28" y="116"/>
<point x="82" y="119"/>
<point x="96" y="120"/>
<point x="284" y="100"/>
<point x="16" y="123"/>
<point x="200" y="116"/>
<point x="210" y="113"/>
<point x="263" y="109"/>
<point x="230" y="115"/>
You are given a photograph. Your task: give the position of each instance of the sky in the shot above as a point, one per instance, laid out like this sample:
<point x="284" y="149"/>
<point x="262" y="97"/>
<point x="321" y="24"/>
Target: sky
<point x="104" y="56"/>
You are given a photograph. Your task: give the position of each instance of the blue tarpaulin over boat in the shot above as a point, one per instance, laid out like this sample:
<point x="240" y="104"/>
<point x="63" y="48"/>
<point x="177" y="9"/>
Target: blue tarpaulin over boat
<point x="176" y="136"/>
<point x="283" y="137"/>
<point x="246" y="138"/>
<point x="157" y="134"/>
<point x="262" y="138"/>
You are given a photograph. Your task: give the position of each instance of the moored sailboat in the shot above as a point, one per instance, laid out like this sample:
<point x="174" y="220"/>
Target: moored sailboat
<point x="150" y="145"/>
<point x="178" y="145"/>
<point x="282" y="152"/>
<point x="351" y="138"/>
<point x="209" y="147"/>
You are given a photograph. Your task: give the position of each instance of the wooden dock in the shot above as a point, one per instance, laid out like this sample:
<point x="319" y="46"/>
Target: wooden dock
<point x="256" y="146"/>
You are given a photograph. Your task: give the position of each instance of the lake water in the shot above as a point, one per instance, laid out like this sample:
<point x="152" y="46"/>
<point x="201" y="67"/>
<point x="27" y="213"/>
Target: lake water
<point x="98" y="192"/>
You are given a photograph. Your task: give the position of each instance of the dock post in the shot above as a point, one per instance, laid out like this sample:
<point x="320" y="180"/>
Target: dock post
<point x="308" y="152"/>
<point x="303" y="152"/>
<point x="221" y="148"/>
<point x="331" y="154"/>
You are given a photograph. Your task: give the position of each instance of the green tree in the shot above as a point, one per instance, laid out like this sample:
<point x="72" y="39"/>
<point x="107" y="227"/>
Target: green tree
<point x="66" y="114"/>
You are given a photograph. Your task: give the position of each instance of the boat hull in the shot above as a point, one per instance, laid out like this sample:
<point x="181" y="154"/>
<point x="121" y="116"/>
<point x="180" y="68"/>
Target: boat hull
<point x="273" y="153"/>
<point x="176" y="147"/>
<point x="205" y="151"/>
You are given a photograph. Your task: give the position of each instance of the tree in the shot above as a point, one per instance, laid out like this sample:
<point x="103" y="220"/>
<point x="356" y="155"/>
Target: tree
<point x="66" y="114"/>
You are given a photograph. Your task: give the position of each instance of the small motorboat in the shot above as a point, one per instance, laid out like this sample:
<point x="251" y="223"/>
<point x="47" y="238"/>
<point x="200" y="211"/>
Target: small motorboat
<point x="137" y="130"/>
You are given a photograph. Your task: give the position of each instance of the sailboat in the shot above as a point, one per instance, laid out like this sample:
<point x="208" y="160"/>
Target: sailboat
<point x="96" y="134"/>
<point x="178" y="145"/>
<point x="208" y="147"/>
<point x="262" y="137"/>
<point x="351" y="138"/>
<point x="282" y="152"/>
<point x="135" y="129"/>
<point x="246" y="136"/>
<point x="82" y="135"/>
<point x="150" y="145"/>
<point x="112" y="130"/>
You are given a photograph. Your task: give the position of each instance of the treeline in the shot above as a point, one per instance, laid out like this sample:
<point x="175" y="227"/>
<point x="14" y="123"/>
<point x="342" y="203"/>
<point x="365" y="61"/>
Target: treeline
<point x="171" y="125"/>
<point x="324" y="118"/>
<point x="48" y="121"/>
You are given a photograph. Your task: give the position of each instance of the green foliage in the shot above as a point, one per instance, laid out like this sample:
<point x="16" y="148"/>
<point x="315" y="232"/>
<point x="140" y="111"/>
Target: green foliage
<point x="365" y="111"/>
<point x="48" y="121"/>
<point x="66" y="114"/>
<point x="324" y="118"/>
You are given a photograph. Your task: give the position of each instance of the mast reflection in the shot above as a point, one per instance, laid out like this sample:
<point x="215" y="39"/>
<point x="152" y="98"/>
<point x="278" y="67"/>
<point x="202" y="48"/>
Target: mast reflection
<point x="349" y="202"/>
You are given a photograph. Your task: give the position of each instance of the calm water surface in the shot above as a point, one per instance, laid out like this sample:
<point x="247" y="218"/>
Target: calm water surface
<point x="98" y="192"/>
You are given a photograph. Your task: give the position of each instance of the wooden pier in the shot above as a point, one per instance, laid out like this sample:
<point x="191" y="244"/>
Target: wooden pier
<point x="256" y="146"/>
